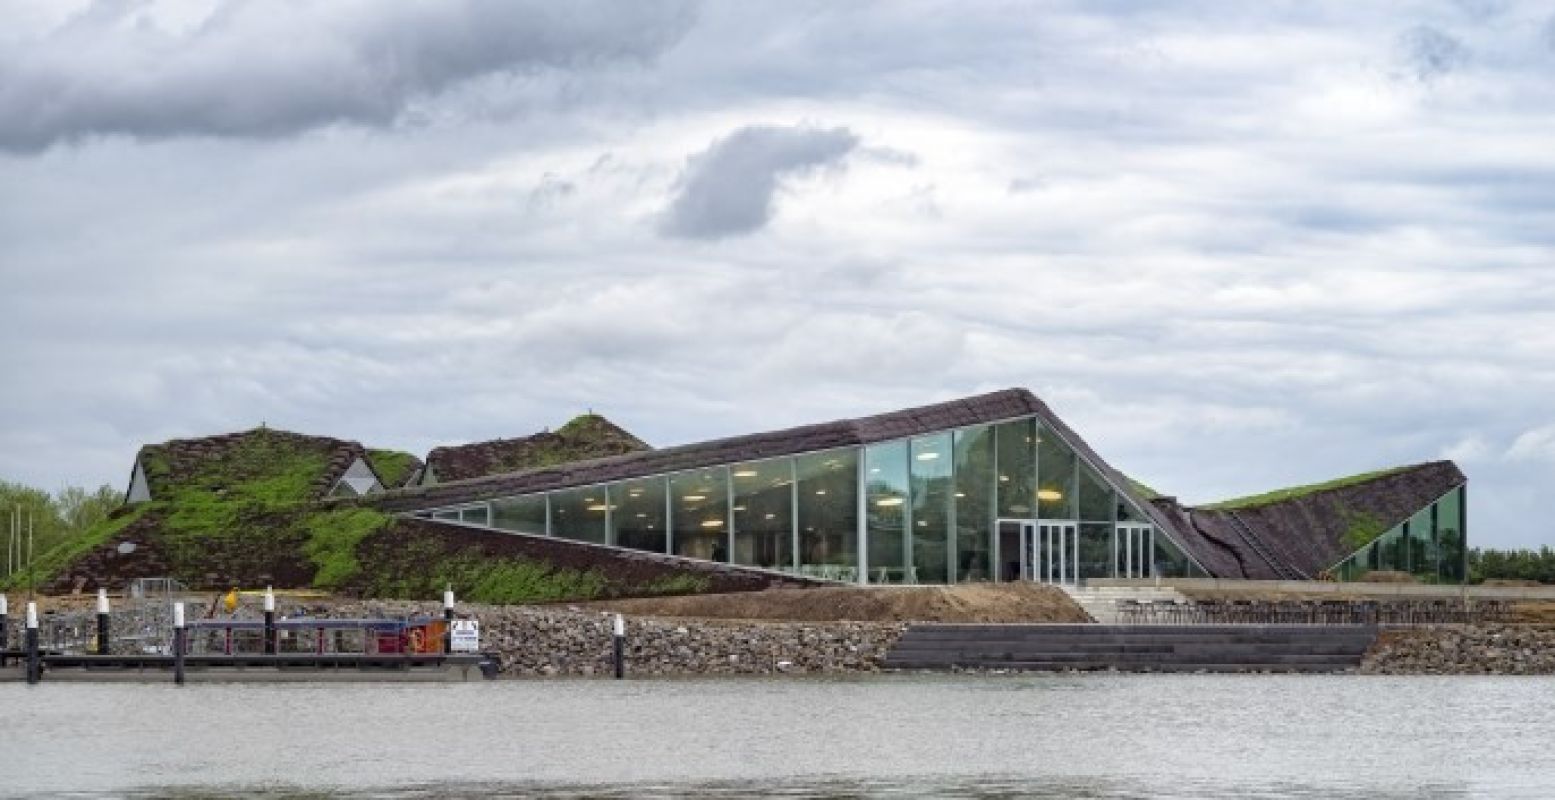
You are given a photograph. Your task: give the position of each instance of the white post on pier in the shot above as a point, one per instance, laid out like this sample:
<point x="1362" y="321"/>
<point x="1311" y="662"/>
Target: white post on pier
<point x="34" y="670"/>
<point x="270" y="647"/>
<point x="178" y="643"/>
<point x="448" y="620"/>
<point x="104" y="646"/>
<point x="619" y="643"/>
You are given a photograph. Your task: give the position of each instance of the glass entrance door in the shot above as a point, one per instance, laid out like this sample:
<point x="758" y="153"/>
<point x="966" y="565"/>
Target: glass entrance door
<point x="1134" y="546"/>
<point x="1050" y="552"/>
<point x="1039" y="550"/>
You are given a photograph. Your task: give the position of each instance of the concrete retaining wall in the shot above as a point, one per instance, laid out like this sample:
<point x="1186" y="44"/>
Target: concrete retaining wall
<point x="1352" y="588"/>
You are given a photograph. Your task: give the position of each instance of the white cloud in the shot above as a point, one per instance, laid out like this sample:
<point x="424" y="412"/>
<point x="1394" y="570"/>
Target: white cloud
<point x="276" y="68"/>
<point x="1234" y="249"/>
<point x="1536" y="444"/>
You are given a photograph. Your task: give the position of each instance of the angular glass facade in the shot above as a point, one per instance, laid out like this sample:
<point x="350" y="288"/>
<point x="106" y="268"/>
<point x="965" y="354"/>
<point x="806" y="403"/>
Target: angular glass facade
<point x="974" y="503"/>
<point x="961" y="505"/>
<point x="886" y="512"/>
<point x="763" y="513"/>
<point x="699" y="514"/>
<point x="828" y="501"/>
<point x="1428" y="545"/>
<point x="638" y="515"/>
<point x="931" y="469"/>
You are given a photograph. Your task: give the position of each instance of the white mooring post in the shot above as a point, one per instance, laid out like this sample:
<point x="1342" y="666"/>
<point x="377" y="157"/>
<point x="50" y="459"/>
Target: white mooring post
<point x="34" y="670"/>
<point x="448" y="620"/>
<point x="619" y="640"/>
<point x="104" y="644"/>
<point x="269" y="621"/>
<point x="178" y="643"/>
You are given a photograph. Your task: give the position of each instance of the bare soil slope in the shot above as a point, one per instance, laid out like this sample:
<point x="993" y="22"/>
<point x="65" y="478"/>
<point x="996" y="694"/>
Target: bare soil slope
<point x="970" y="603"/>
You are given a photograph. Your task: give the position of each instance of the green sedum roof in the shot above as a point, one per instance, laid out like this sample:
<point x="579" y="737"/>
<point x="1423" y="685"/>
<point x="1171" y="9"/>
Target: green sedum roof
<point x="1296" y="492"/>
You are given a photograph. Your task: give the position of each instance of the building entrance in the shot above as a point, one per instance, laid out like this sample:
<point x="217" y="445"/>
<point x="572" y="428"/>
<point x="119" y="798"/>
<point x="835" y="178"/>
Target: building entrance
<point x="1045" y="551"/>
<point x="1134" y="548"/>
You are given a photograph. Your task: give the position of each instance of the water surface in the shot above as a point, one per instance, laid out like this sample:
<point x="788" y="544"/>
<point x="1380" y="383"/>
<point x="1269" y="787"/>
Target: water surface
<point x="1092" y="736"/>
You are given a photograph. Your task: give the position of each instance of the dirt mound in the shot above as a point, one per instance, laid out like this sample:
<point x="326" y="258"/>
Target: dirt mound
<point x="1014" y="602"/>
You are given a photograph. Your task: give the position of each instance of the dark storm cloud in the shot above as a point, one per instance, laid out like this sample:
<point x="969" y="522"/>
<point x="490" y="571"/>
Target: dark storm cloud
<point x="276" y="68"/>
<point x="727" y="189"/>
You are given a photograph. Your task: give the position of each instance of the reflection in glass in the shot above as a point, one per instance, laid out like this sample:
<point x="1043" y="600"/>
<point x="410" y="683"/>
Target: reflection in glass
<point x="638" y="515"/>
<point x="1095" y="552"/>
<point x="931" y="492"/>
<point x="520" y="514"/>
<point x="1056" y="478"/>
<point x="1450" y="536"/>
<point x="763" y="515"/>
<point x="1096" y="503"/>
<point x="579" y="514"/>
<point x="700" y="505"/>
<point x="828" y="514"/>
<point x="974" y="479"/>
<point x="1017" y="470"/>
<point x="886" y="507"/>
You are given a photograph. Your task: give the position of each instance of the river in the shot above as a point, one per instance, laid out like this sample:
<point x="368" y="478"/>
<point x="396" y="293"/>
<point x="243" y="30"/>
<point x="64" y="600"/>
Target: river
<point x="1058" y="736"/>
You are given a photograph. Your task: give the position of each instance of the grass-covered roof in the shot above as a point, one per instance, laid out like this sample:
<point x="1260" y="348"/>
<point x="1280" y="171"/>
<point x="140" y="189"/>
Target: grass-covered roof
<point x="585" y="437"/>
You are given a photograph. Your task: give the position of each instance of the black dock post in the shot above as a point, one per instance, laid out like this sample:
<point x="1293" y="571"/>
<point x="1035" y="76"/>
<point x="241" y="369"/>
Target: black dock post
<point x="34" y="668"/>
<point x="620" y="646"/>
<point x="269" y="621"/>
<point x="178" y="643"/>
<point x="5" y="629"/>
<point x="448" y="620"/>
<point x="104" y="644"/>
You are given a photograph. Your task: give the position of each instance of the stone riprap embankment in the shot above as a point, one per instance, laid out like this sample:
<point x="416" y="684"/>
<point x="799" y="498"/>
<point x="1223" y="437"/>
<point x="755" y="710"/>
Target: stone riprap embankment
<point x="536" y="640"/>
<point x="1464" y="650"/>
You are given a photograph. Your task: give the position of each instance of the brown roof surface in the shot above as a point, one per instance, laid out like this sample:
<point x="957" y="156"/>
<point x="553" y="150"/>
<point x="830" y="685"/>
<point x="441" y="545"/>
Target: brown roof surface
<point x="992" y="407"/>
<point x="231" y="460"/>
<point x="586" y="437"/>
<point x="1305" y="534"/>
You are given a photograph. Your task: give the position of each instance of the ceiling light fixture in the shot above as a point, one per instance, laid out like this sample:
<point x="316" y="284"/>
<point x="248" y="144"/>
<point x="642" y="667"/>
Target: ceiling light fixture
<point x="887" y="502"/>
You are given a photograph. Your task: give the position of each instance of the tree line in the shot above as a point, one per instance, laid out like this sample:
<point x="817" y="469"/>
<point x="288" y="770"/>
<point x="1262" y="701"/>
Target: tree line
<point x="54" y="518"/>
<point x="1520" y="565"/>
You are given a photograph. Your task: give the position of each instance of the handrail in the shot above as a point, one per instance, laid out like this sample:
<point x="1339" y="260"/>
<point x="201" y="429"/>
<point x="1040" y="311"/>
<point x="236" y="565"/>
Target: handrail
<point x="1285" y="571"/>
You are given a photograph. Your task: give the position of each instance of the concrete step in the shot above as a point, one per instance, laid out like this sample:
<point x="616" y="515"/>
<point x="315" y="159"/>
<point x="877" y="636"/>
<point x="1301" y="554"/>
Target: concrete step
<point x="1133" y="647"/>
<point x="1107" y="666"/>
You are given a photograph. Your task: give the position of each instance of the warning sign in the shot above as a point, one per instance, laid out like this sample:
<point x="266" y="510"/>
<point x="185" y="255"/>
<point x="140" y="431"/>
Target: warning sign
<point x="465" y="636"/>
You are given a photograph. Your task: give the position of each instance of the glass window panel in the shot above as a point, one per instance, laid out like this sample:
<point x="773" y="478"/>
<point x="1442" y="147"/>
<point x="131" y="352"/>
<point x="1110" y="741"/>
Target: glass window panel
<point x="1422" y="554"/>
<point x="449" y="516"/>
<point x="520" y="514"/>
<point x="1056" y="478"/>
<point x="579" y="514"/>
<point x="1170" y="562"/>
<point x="1096" y="503"/>
<point x="931" y="492"/>
<point x="1450" y="537"/>
<point x="763" y="513"/>
<point x="474" y="515"/>
<point x="885" y="502"/>
<point x="1017" y="468"/>
<point x="637" y="515"/>
<point x="700" y="507"/>
<point x="1095" y="551"/>
<point x="974" y="478"/>
<point x="828" y="513"/>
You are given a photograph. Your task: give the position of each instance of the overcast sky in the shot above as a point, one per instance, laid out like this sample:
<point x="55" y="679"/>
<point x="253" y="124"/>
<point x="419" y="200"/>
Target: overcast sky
<point x="1237" y="246"/>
